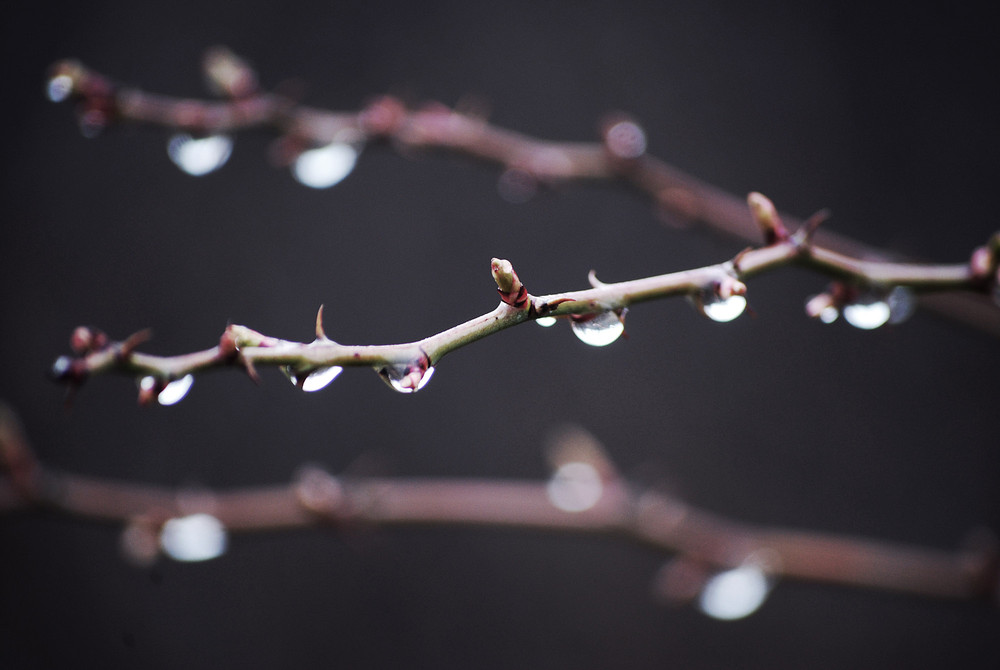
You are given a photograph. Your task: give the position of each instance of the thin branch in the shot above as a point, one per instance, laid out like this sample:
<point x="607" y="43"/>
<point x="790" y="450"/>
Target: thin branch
<point x="241" y="346"/>
<point x="610" y="506"/>
<point x="621" y="156"/>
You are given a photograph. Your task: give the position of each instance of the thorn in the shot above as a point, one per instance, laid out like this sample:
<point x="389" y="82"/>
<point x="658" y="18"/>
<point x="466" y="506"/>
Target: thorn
<point x="805" y="233"/>
<point x="251" y="370"/>
<point x="132" y="341"/>
<point x="594" y="281"/>
<point x="320" y="334"/>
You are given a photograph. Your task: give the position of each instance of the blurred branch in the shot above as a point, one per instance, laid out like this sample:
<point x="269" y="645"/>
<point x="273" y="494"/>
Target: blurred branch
<point x="527" y="161"/>
<point x="585" y="496"/>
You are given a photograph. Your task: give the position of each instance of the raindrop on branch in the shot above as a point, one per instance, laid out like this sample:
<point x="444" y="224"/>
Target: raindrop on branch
<point x="197" y="537"/>
<point x="902" y="304"/>
<point x="598" y="330"/>
<point x="313" y="380"/>
<point x="719" y="309"/>
<point x="735" y="593"/>
<point x="546" y="321"/>
<point x="575" y="486"/>
<point x="325" y="166"/>
<point x="199" y="155"/>
<point x="59" y="87"/>
<point x="406" y="378"/>
<point x="868" y="312"/>
<point x="170" y="393"/>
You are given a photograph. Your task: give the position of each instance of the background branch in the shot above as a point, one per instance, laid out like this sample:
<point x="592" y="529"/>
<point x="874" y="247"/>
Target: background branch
<point x="604" y="505"/>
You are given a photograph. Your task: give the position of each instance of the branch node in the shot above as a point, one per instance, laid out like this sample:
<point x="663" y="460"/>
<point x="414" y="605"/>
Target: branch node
<point x="320" y="493"/>
<point x="228" y="75"/>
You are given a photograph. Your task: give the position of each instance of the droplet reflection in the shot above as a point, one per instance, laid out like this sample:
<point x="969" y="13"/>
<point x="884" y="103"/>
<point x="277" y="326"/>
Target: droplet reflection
<point x="735" y="593"/>
<point x="406" y="378"/>
<point x="199" y="155"/>
<point x="598" y="330"/>
<point x="175" y="391"/>
<point x="867" y="313"/>
<point x="59" y="88"/>
<point x="314" y="380"/>
<point x="325" y="166"/>
<point x="197" y="537"/>
<point x="575" y="487"/>
<point x="721" y="310"/>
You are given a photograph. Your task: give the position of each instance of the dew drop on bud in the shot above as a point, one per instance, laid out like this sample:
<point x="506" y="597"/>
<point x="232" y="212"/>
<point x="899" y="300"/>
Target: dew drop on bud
<point x="719" y="309"/>
<point x="867" y="312"/>
<point x="546" y="321"/>
<point x="406" y="378"/>
<point x="197" y="537"/>
<point x="175" y="391"/>
<point x="199" y="155"/>
<point x="325" y="166"/>
<point x="598" y="330"/>
<point x="314" y="380"/>
<point x="59" y="87"/>
<point x="735" y="593"/>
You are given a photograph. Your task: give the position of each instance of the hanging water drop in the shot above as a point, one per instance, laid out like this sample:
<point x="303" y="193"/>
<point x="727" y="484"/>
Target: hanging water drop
<point x="407" y="378"/>
<point x="575" y="486"/>
<point x="598" y="330"/>
<point x="902" y="304"/>
<point x="199" y="155"/>
<point x="197" y="537"/>
<point x="546" y="321"/>
<point x="59" y="87"/>
<point x="868" y="312"/>
<point x="313" y="380"/>
<point x="717" y="308"/>
<point x="325" y="166"/>
<point x="735" y="593"/>
<point x="175" y="391"/>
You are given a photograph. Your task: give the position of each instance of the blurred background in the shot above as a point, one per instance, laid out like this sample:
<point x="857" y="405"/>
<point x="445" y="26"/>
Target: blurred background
<point x="885" y="114"/>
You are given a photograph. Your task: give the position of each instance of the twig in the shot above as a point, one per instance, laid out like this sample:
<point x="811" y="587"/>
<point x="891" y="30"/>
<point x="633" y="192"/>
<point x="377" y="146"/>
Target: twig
<point x="411" y="361"/>
<point x="610" y="506"/>
<point x="620" y="156"/>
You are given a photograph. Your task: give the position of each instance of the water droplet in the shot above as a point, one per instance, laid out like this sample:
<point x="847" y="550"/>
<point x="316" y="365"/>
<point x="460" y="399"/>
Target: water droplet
<point x="575" y="486"/>
<point x="719" y="309"/>
<point x="408" y="378"/>
<point x="59" y="87"/>
<point x="868" y="312"/>
<point x="829" y="314"/>
<point x="175" y="391"/>
<point x="902" y="304"/>
<point x="199" y="155"/>
<point x="735" y="593"/>
<point x="325" y="166"/>
<point x="598" y="330"/>
<point x="197" y="537"/>
<point x="314" y="380"/>
<point x="546" y="321"/>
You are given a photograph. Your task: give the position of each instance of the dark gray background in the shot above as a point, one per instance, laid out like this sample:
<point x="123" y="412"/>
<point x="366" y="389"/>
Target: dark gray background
<point x="884" y="114"/>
